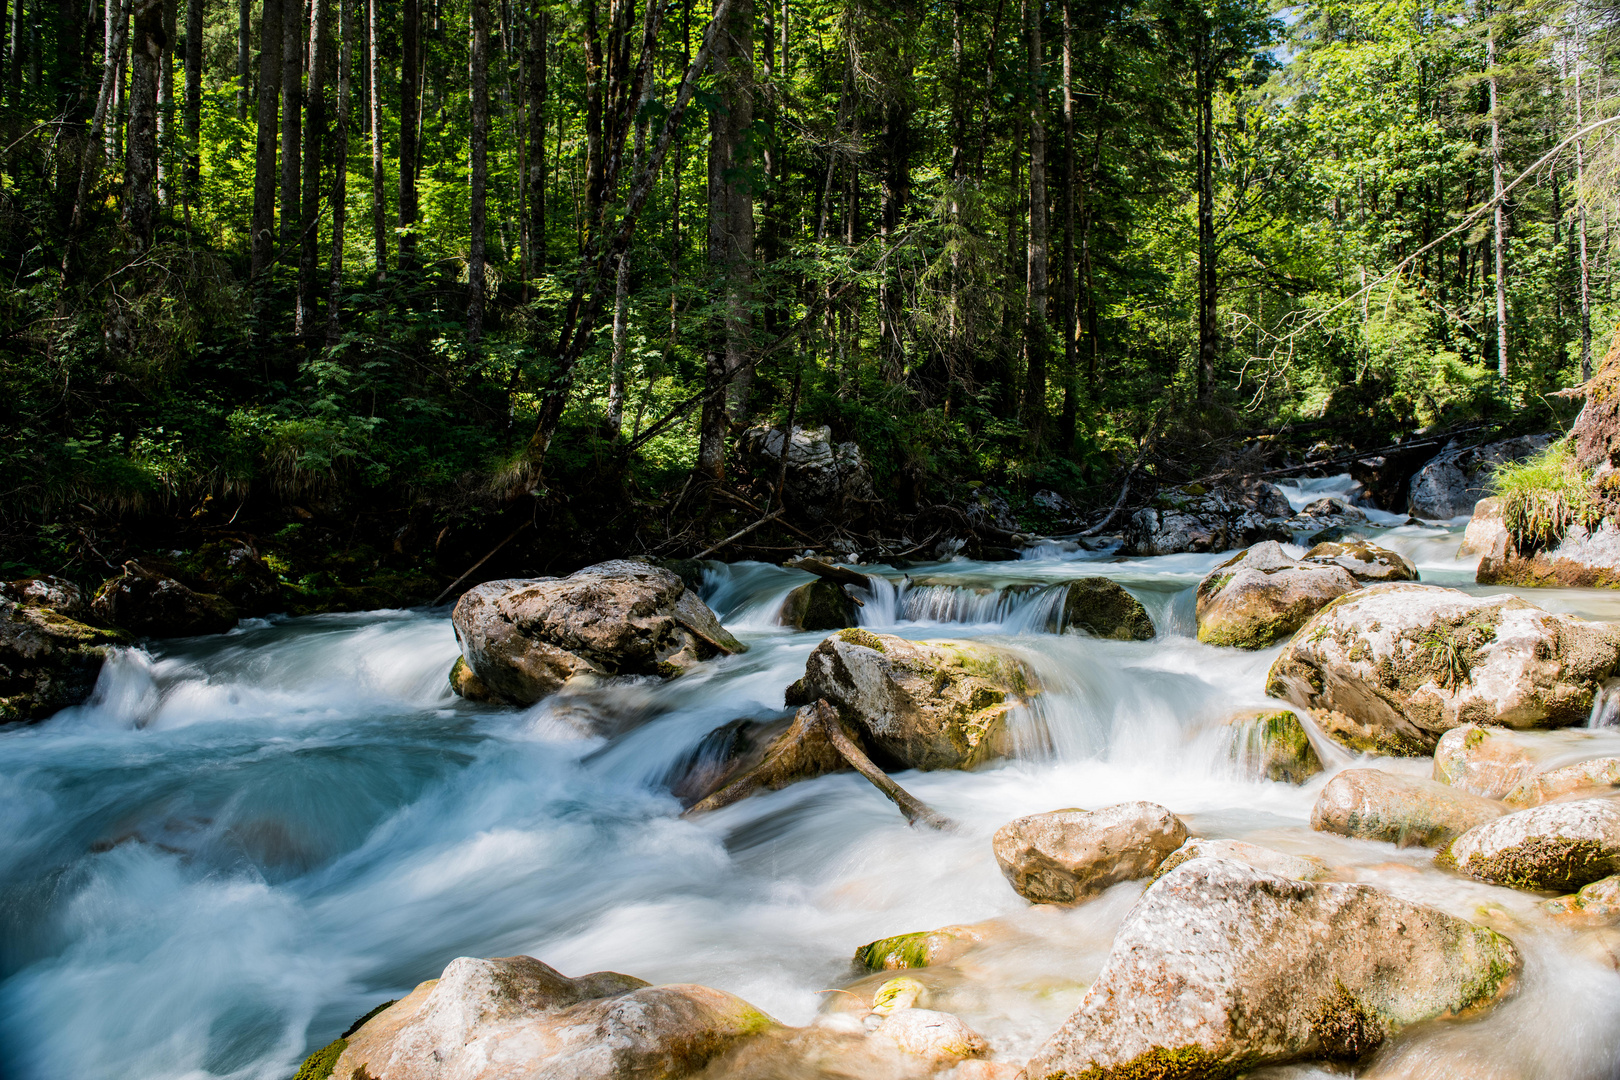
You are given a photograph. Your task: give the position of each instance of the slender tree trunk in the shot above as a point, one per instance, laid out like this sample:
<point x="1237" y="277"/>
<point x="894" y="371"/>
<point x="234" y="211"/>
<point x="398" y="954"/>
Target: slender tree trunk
<point x="894" y="191"/>
<point x="264" y="156"/>
<point x="115" y="30"/>
<point x="14" y="76"/>
<point x="347" y="32"/>
<point x="292" y="119"/>
<point x="305" y="319"/>
<point x="409" y="90"/>
<point x="478" y="76"/>
<point x="379" y="181"/>
<point x="244" y="56"/>
<point x="539" y="26"/>
<point x="1500" y="217"/>
<point x="1069" y="416"/>
<point x="1037" y="335"/>
<point x="193" y="105"/>
<point x="165" y="106"/>
<point x="731" y="238"/>
<point x="6" y="68"/>
<point x="621" y="332"/>
<point x="147" y="53"/>
<point x="1208" y="327"/>
<point x="90" y="163"/>
<point x="1580" y="200"/>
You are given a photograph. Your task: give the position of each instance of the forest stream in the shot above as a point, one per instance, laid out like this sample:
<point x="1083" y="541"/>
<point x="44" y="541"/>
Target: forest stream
<point x="245" y="841"/>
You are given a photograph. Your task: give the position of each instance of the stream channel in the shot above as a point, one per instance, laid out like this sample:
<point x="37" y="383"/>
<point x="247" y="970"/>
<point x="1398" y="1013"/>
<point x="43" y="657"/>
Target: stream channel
<point x="245" y="841"/>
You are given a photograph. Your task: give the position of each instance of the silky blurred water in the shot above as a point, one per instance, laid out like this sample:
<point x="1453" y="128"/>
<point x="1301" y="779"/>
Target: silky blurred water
<point x="245" y="841"/>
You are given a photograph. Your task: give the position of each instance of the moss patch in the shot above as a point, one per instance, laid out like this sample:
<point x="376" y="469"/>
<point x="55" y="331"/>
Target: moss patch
<point x="864" y="638"/>
<point x="1550" y="863"/>
<point x="319" y="1065"/>
<point x="1345" y="1028"/>
<point x="1162" y="1063"/>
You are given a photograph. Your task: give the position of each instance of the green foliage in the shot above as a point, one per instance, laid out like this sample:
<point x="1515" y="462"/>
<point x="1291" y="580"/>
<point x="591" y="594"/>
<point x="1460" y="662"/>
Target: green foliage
<point x="1544" y="495"/>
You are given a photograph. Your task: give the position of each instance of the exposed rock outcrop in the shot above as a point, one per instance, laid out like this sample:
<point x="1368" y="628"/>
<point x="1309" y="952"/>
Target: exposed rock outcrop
<point x="1263" y="595"/>
<point x="48" y="661"/>
<point x="1067" y="856"/>
<point x="1393" y="667"/>
<point x="1220" y="969"/>
<point x="825" y="479"/>
<point x="1458" y="477"/>
<point x="1367" y="563"/>
<point x="524" y="638"/>
<point x="151" y="604"/>
<point x="1103" y="608"/>
<point x="1194" y="518"/>
<point x="1580" y="559"/>
<point x="1371" y="804"/>
<point x="514" y="1018"/>
<point x="918" y="704"/>
<point x="1271" y="744"/>
<point x="1558" y="847"/>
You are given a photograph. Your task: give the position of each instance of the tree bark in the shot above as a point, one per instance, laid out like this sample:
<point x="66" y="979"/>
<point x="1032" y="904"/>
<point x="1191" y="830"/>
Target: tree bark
<point x="264" y="155"/>
<point x="1500" y="229"/>
<point x="894" y="191"/>
<point x="347" y="32"/>
<point x="165" y="106"/>
<point x="309" y="234"/>
<point x="244" y="56"/>
<point x="1580" y="201"/>
<point x="146" y="54"/>
<point x="1071" y="308"/>
<point x="1208" y="327"/>
<point x="731" y="238"/>
<point x="14" y="76"/>
<point x="409" y="90"/>
<point x="115" y="29"/>
<point x="379" y="180"/>
<point x="539" y="26"/>
<point x="1037" y="340"/>
<point x="193" y="105"/>
<point x="292" y="119"/>
<point x="478" y="76"/>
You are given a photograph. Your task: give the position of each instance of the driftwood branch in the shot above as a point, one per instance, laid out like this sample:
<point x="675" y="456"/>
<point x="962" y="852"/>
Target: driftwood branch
<point x="915" y="809"/>
<point x="739" y="534"/>
<point x="448" y="589"/>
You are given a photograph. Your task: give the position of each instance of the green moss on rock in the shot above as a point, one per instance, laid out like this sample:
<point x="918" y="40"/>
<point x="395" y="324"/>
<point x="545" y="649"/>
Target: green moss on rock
<point x="318" y="1066"/>
<point x="1103" y="608"/>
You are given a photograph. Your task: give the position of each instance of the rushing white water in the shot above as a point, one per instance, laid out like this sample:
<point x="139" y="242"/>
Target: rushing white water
<point x="246" y="841"/>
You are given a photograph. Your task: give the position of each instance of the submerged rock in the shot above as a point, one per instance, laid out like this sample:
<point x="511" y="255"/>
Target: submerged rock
<point x="1558" y="847"/>
<point x="1103" y="608"/>
<point x="802" y="752"/>
<point x="918" y="704"/>
<point x="1371" y="804"/>
<point x="1220" y="969"/>
<point x="1598" y="776"/>
<point x="47" y="660"/>
<point x="1263" y="595"/>
<point x="1365" y="562"/>
<point x="1263" y="859"/>
<point x="1393" y="667"/>
<point x="1271" y="744"/>
<point x="1454" y="480"/>
<point x="937" y="1037"/>
<point x="817" y="605"/>
<point x="922" y="949"/>
<point x="514" y="1017"/>
<point x="151" y="604"/>
<point x="524" y="638"/>
<point x="1067" y="856"/>
<point x="1527" y="767"/>
<point x="1194" y="518"/>
<point x="1596" y="904"/>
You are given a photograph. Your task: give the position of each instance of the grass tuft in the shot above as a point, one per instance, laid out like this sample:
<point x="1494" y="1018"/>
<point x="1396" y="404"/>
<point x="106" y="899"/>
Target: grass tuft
<point x="1544" y="495"/>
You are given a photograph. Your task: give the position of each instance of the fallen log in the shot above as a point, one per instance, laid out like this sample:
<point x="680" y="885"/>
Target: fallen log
<point x="838" y="575"/>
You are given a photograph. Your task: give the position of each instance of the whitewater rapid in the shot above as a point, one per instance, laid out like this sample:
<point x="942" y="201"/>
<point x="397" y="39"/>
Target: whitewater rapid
<point x="243" y="842"/>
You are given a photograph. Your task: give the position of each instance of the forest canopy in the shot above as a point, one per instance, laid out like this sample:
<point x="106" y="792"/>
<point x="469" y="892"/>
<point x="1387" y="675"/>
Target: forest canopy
<point x="427" y="271"/>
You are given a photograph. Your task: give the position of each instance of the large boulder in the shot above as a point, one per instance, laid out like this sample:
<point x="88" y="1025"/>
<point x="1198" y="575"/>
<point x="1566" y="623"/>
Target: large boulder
<point x="1367" y="563"/>
<point x="1371" y="804"/>
<point x="1103" y="608"/>
<point x="524" y="638"/>
<point x="234" y="570"/>
<point x="1263" y="859"/>
<point x="1599" y="776"/>
<point x="1271" y="744"/>
<point x="151" y="604"/>
<point x="1221" y="968"/>
<point x="817" y="605"/>
<point x="1497" y="762"/>
<point x="1263" y="595"/>
<point x="47" y="660"/>
<point x="1067" y="856"/>
<point x="1393" y="667"/>
<point x="57" y="594"/>
<point x="1557" y="847"/>
<point x="920" y="949"/>
<point x="1487" y="532"/>
<point x="1194" y="518"/>
<point x="918" y="704"/>
<point x="825" y="479"/>
<point x="1582" y="558"/>
<point x="514" y="1018"/>
<point x="1458" y="477"/>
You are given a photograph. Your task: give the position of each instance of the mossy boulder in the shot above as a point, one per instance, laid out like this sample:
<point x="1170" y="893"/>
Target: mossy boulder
<point x="525" y="638"/>
<point x="918" y="704"/>
<point x="1220" y="969"/>
<point x="1401" y="664"/>
<point x="1595" y="904"/>
<point x="514" y="1016"/>
<point x="921" y="949"/>
<point x="151" y="604"/>
<point x="47" y="660"/>
<point x="1271" y="744"/>
<point x="1365" y="562"/>
<point x="1069" y="856"/>
<point x="1262" y="595"/>
<point x="817" y="605"/>
<point x="1104" y="609"/>
<point x="1263" y="859"/>
<point x="1559" y="847"/>
<point x="235" y="571"/>
<point x="1371" y="804"/>
<point x="58" y="594"/>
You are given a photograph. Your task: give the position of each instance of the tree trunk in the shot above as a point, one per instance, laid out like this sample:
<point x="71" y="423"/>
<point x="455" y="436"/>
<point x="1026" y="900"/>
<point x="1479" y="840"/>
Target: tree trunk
<point x="165" y="106"/>
<point x="379" y="181"/>
<point x="1037" y="342"/>
<point x="539" y="25"/>
<point x="244" y="56"/>
<point x="1500" y="229"/>
<point x="731" y="238"/>
<point x="115" y="29"/>
<point x="894" y="191"/>
<point x="264" y="155"/>
<point x="409" y="90"/>
<point x="309" y="231"/>
<point x="1580" y="202"/>
<point x="193" y="105"/>
<point x="66" y="65"/>
<point x="292" y="119"/>
<point x="478" y="77"/>
<point x="146" y="53"/>
<point x="14" y="76"/>
<point x="621" y="332"/>
<point x="1071" y="308"/>
<point x="347" y="32"/>
<point x="1208" y="327"/>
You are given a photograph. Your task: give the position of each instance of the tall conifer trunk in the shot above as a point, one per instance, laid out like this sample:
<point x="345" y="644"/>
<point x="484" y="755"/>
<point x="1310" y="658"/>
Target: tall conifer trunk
<point x="1037" y="342"/>
<point x="304" y="317"/>
<point x="147" y="53"/>
<point x="539" y="25"/>
<point x="264" y="155"/>
<point x="410" y="89"/>
<point x="1208" y="327"/>
<point x="192" y="106"/>
<point x="1500" y="221"/>
<point x="379" y="180"/>
<point x="478" y="78"/>
<point x="347" y="32"/>
<point x="292" y="119"/>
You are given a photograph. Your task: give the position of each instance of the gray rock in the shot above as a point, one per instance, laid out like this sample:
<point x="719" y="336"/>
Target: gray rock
<point x="1193" y="519"/>
<point x="1365" y="562"/>
<point x="1067" y="856"/>
<point x="1558" y="847"/>
<point x="1371" y="804"/>
<point x="48" y="591"/>
<point x="47" y="660"/>
<point x="1263" y="859"/>
<point x="1263" y="594"/>
<point x="1220" y="969"/>
<point x="1458" y="477"/>
<point x="151" y="604"/>
<point x="824" y="479"/>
